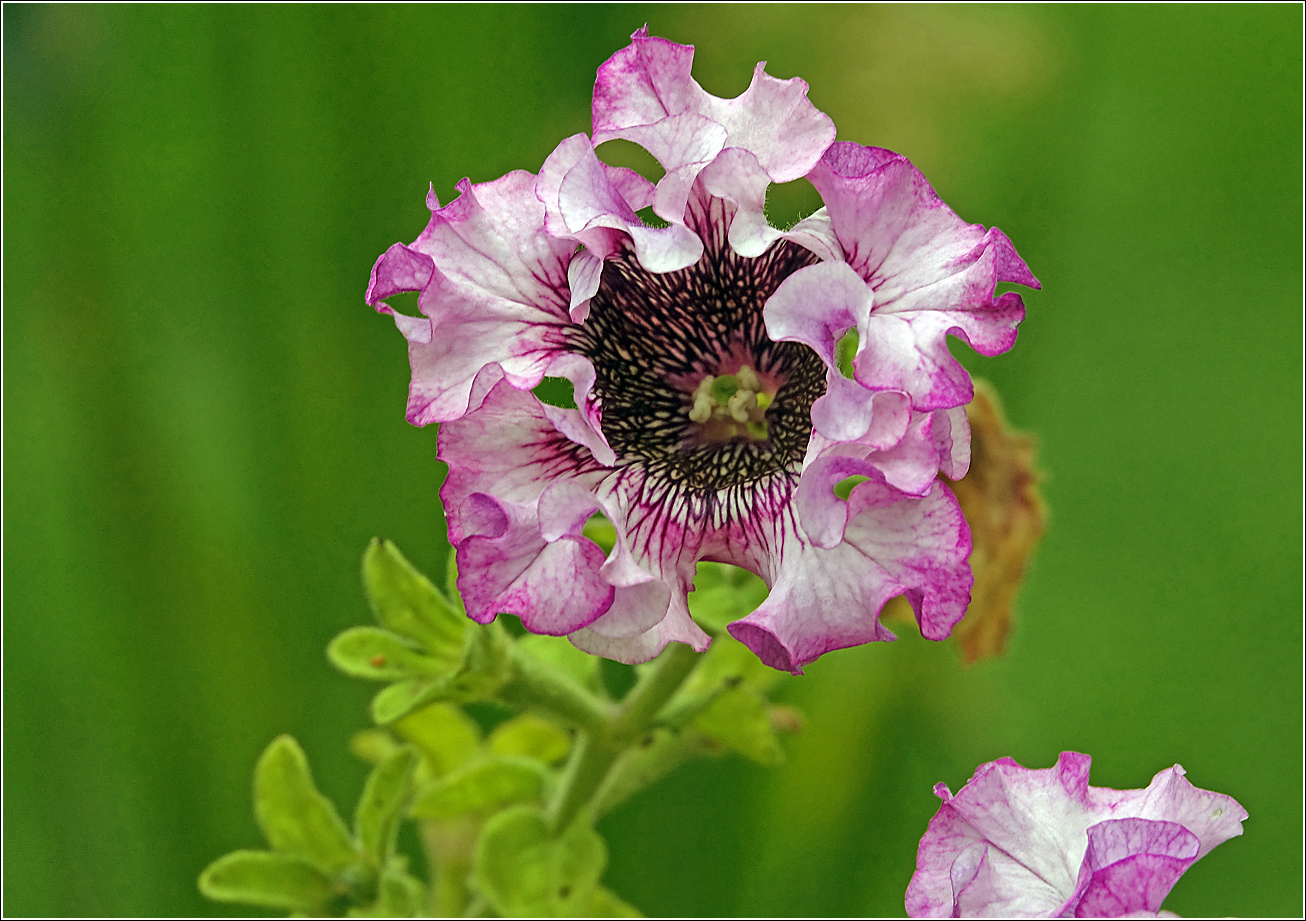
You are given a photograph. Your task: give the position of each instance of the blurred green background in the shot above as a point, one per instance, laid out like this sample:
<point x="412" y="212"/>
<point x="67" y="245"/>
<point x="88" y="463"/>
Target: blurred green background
<point x="203" y="423"/>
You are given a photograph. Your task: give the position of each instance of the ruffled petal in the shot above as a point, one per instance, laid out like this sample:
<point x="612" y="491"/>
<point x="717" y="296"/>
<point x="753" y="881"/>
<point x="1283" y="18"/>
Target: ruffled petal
<point x="1131" y="865"/>
<point x="1213" y="817"/>
<point x="494" y="285"/>
<point x="676" y="627"/>
<point x="816" y="306"/>
<point x="585" y="202"/>
<point x="517" y="554"/>
<point x="553" y="586"/>
<point x="933" y="274"/>
<point x="770" y="133"/>
<point x="1043" y="843"/>
<point x="830" y="598"/>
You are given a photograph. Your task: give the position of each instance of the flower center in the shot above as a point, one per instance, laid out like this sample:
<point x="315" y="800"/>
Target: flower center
<point x="731" y="406"/>
<point x="691" y="387"/>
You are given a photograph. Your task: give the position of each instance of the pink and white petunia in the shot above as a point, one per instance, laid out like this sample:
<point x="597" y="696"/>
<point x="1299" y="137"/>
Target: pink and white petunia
<point x="1023" y="843"/>
<point x="711" y="419"/>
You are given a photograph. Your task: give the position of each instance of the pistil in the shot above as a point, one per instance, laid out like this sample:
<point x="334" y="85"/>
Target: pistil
<point x="731" y="406"/>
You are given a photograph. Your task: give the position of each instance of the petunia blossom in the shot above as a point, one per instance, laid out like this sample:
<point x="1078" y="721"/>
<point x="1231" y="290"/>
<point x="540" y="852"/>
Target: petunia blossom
<point x="1024" y="843"/>
<point x="711" y="418"/>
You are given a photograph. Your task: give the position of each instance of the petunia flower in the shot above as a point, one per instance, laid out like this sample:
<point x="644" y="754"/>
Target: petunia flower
<point x="711" y="419"/>
<point x="1022" y="843"/>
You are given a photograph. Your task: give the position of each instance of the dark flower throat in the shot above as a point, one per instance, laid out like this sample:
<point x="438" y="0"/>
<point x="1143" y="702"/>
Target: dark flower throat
<point x="664" y="344"/>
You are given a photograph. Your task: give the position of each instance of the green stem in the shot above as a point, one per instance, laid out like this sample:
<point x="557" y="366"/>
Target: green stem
<point x="591" y="760"/>
<point x="534" y="684"/>
<point x="597" y="751"/>
<point x="653" y="691"/>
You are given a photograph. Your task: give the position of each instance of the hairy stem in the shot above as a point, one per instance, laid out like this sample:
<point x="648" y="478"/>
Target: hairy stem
<point x="597" y="750"/>
<point x="536" y="685"/>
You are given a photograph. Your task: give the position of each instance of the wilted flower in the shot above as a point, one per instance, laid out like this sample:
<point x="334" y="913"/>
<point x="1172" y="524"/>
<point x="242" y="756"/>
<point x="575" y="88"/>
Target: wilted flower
<point x="1025" y="843"/>
<point x="712" y="421"/>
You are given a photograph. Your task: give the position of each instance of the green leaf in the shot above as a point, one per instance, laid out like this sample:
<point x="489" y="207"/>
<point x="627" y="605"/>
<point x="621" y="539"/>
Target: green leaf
<point x="373" y="745"/>
<point x="522" y="872"/>
<point x="294" y="816"/>
<point x="405" y="601"/>
<point x="560" y="653"/>
<point x="270" y="880"/>
<point x="403" y="697"/>
<point x="604" y="903"/>
<point x="377" y="818"/>
<point x="400" y="895"/>
<point x="447" y="737"/>
<point x="722" y="594"/>
<point x="531" y="736"/>
<point x="740" y="719"/>
<point x="481" y="787"/>
<point x="370" y="652"/>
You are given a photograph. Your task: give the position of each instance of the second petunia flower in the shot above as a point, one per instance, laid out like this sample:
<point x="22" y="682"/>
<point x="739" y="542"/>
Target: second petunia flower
<point x="712" y="420"/>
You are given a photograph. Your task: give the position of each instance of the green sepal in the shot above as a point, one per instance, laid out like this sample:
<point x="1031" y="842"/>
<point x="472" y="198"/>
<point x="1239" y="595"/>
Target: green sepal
<point x="376" y="820"/>
<point x="605" y="903"/>
<point x="531" y="736"/>
<point x="406" y="602"/>
<point x="269" y="880"/>
<point x="447" y="737"/>
<point x="481" y="787"/>
<point x="370" y="652"/>
<point x="523" y="872"/>
<point x="294" y="816"/>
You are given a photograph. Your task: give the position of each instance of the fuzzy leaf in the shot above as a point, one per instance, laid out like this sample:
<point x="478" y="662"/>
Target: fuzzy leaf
<point x="373" y="745"/>
<point x="522" y="872"/>
<point x="405" y="601"/>
<point x="294" y="816"/>
<point x="377" y="819"/>
<point x="531" y="736"/>
<point x="447" y="737"/>
<point x="481" y="787"/>
<point x="403" y="697"/>
<point x="559" y="652"/>
<point x="269" y="880"/>
<point x="740" y="719"/>
<point x="370" y="652"/>
<point x="399" y="895"/>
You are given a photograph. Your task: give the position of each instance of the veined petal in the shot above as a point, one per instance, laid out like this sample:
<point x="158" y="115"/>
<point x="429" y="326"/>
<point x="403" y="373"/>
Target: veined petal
<point x="492" y="241"/>
<point x="816" y="306"/>
<point x="1131" y="865"/>
<point x="1043" y="843"/>
<point x="493" y="302"/>
<point x="553" y="586"/>
<point x="770" y="133"/>
<point x="931" y="272"/>
<point x="649" y="81"/>
<point x="676" y="627"/>
<point x="823" y="599"/>
<point x="585" y="201"/>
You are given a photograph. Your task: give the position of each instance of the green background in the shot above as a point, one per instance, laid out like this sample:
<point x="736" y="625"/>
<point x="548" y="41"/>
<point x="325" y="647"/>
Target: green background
<point x="203" y="423"/>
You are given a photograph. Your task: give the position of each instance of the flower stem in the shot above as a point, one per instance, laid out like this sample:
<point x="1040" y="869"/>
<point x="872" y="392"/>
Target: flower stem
<point x="535" y="684"/>
<point x="596" y="752"/>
